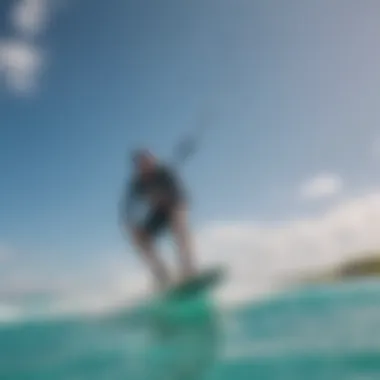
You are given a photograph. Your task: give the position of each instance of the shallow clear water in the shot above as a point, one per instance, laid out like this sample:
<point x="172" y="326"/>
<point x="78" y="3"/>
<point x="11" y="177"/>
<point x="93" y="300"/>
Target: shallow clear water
<point x="318" y="333"/>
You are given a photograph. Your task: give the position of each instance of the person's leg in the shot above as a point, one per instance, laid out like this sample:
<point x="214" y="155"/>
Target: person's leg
<point x="143" y="239"/>
<point x="181" y="234"/>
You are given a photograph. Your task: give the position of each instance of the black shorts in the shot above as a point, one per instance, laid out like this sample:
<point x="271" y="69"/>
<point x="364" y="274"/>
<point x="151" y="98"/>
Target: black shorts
<point x="157" y="220"/>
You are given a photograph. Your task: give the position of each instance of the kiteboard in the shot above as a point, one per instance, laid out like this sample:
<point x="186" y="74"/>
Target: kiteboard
<point x="199" y="283"/>
<point x="181" y="302"/>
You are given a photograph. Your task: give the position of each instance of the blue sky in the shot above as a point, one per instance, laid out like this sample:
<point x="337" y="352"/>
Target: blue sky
<point x="291" y="90"/>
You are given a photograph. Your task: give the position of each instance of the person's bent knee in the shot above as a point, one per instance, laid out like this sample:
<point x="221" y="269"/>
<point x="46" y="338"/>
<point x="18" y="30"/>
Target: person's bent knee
<point x="179" y="214"/>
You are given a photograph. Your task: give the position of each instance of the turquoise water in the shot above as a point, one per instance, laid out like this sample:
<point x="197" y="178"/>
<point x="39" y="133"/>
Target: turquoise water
<point x="319" y="333"/>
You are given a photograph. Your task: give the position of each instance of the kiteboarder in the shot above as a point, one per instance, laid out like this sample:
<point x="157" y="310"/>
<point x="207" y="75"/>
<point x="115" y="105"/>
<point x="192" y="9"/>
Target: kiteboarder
<point x="159" y="186"/>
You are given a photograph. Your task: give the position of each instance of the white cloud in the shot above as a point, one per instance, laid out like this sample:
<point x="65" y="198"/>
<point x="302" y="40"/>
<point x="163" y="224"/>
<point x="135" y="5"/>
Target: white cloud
<point x="322" y="186"/>
<point x="259" y="257"/>
<point x="20" y="65"/>
<point x="30" y="17"/>
<point x="21" y="58"/>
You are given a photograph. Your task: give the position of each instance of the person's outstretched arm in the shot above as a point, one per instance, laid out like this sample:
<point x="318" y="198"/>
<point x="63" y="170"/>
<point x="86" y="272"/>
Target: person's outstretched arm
<point x="127" y="206"/>
<point x="173" y="183"/>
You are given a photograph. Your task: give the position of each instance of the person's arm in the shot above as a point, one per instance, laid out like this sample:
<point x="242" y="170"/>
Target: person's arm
<point x="127" y="206"/>
<point x="185" y="149"/>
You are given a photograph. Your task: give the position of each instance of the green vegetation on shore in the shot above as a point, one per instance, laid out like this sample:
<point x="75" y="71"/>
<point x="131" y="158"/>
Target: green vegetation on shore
<point x="367" y="265"/>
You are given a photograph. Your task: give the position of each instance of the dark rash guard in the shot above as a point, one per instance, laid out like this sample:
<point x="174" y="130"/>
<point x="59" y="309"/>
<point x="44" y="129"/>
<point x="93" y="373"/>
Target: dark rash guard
<point x="162" y="182"/>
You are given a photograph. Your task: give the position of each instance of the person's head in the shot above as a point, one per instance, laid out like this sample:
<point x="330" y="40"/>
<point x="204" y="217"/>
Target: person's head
<point x="144" y="161"/>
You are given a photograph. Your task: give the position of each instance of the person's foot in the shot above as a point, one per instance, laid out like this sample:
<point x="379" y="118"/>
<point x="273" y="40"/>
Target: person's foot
<point x="184" y="277"/>
<point x="162" y="286"/>
<point x="188" y="273"/>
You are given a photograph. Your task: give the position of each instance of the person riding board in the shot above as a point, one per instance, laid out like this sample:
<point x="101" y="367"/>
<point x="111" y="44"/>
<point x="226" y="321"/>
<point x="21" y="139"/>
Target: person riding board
<point x="159" y="186"/>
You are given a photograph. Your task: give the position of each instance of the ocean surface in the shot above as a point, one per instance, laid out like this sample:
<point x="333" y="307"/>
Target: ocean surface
<point x="317" y="333"/>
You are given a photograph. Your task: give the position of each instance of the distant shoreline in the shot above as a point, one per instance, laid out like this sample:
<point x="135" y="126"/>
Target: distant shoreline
<point x="368" y="265"/>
